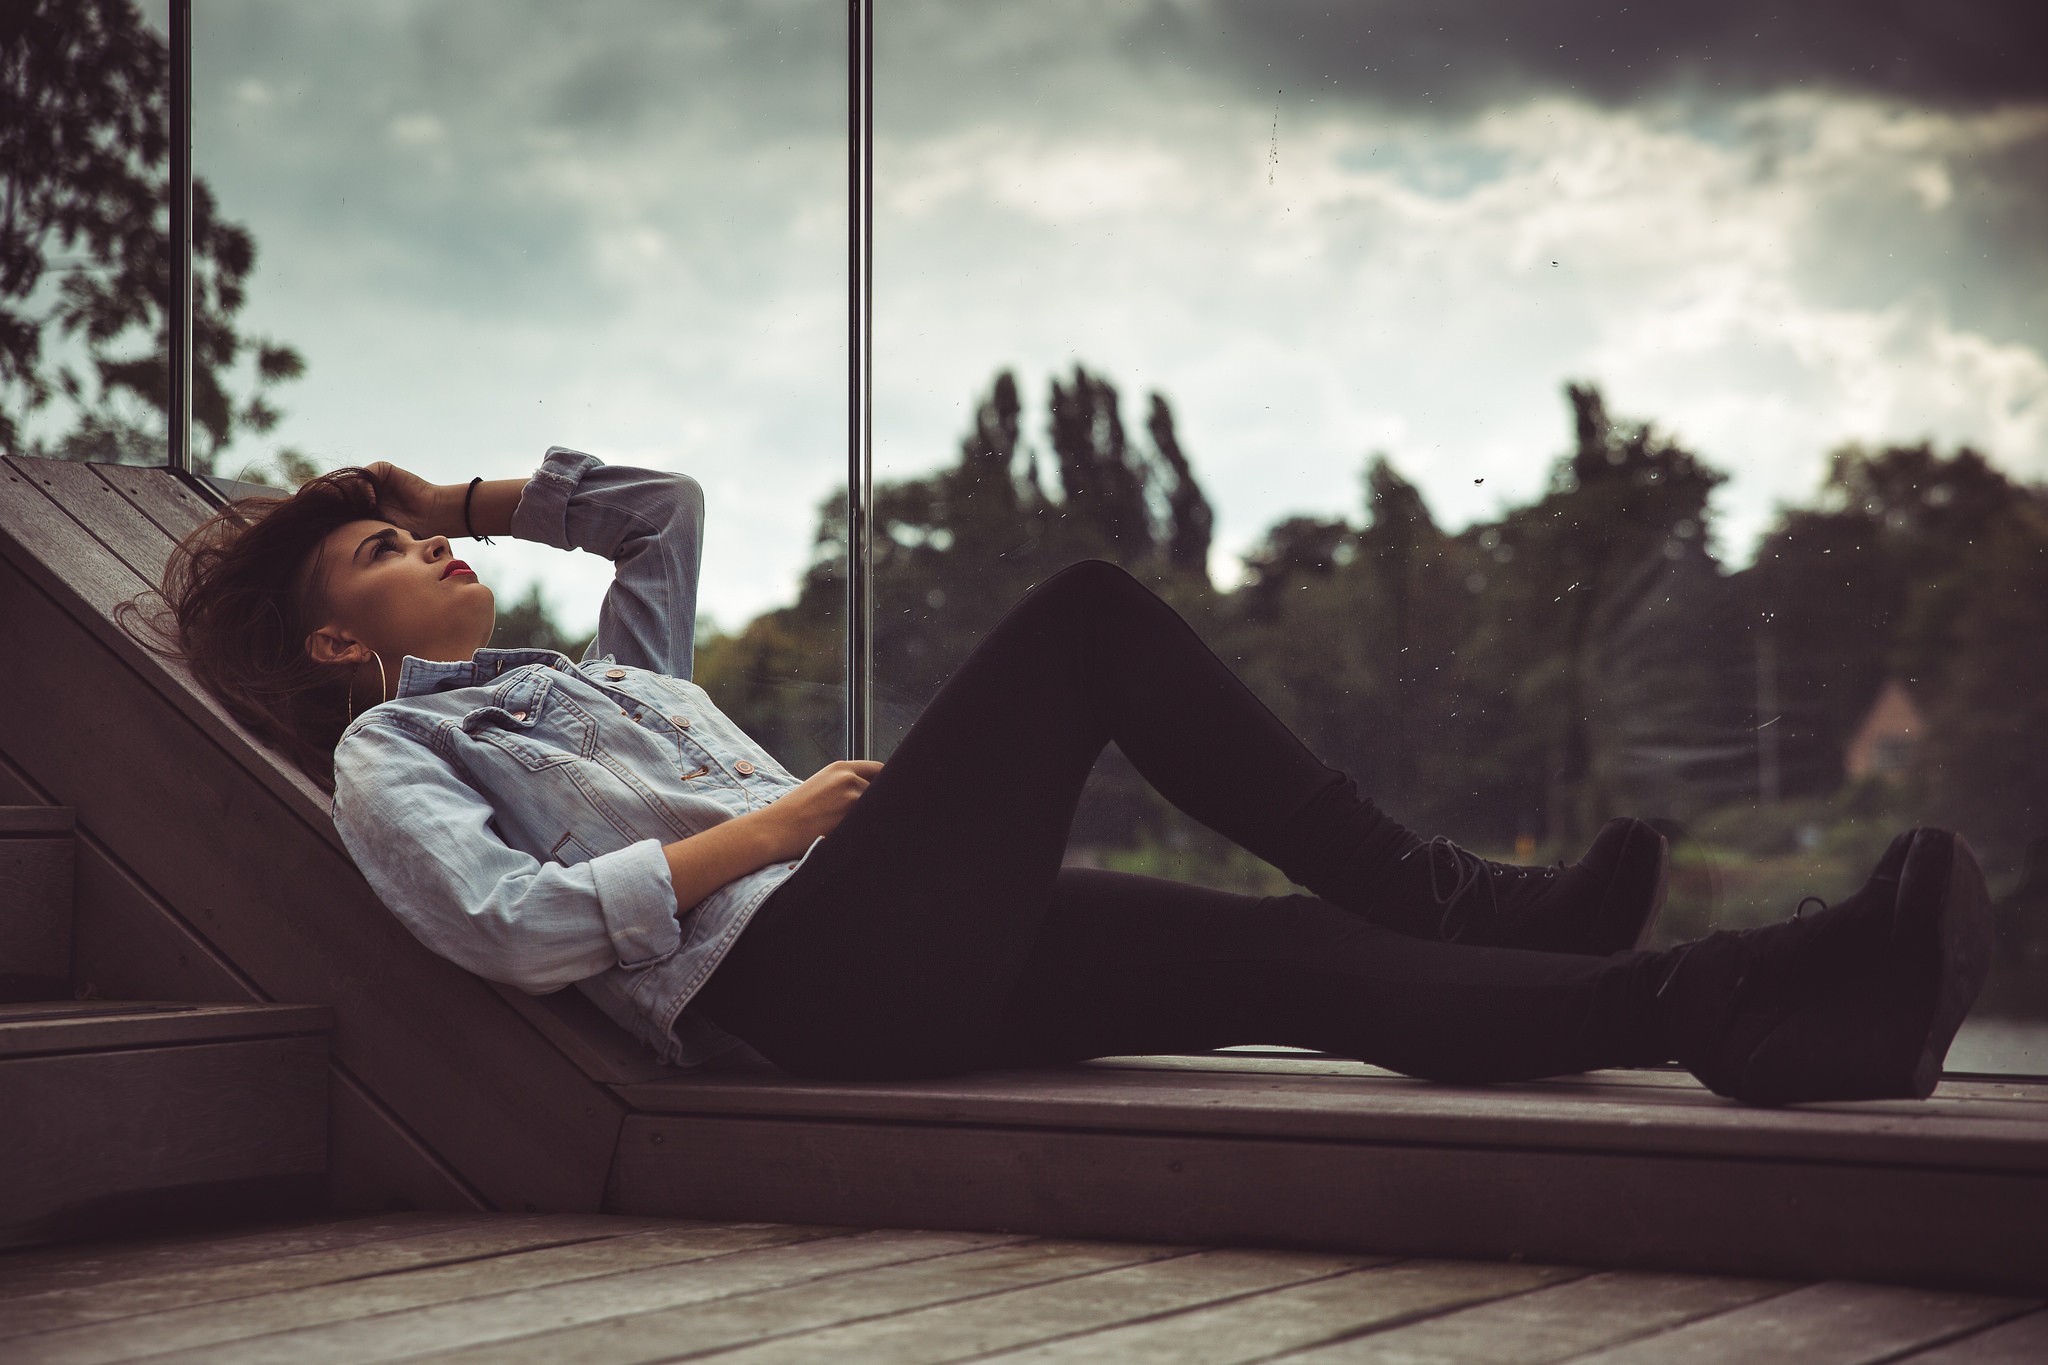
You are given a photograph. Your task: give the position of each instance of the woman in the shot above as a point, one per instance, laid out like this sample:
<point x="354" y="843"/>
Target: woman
<point x="600" y="823"/>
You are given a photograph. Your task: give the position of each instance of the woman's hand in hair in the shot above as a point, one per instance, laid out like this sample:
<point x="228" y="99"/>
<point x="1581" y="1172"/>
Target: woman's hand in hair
<point x="408" y="501"/>
<point x="817" y="806"/>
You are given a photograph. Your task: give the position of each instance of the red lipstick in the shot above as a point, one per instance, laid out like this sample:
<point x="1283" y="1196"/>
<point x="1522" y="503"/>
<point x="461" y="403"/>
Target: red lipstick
<point x="457" y="566"/>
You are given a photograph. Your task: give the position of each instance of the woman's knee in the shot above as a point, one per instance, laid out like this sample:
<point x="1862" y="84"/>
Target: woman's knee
<point x="1089" y="587"/>
<point x="1091" y="576"/>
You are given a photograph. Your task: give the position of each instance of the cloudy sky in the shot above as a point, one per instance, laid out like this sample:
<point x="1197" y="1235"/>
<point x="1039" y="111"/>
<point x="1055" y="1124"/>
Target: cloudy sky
<point x="1321" y="230"/>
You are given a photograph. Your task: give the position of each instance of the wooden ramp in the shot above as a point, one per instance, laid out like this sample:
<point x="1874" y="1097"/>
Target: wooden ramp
<point x="208" y="870"/>
<point x="575" y="1288"/>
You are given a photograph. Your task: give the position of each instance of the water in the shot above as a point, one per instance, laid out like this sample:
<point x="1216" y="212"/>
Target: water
<point x="2015" y="1046"/>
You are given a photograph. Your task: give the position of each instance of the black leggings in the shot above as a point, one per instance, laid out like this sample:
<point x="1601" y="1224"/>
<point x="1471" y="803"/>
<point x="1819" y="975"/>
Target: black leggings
<point x="934" y="931"/>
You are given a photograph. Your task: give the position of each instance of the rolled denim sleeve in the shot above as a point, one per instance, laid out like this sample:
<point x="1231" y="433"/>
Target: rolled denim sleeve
<point x="650" y="524"/>
<point x="423" y="839"/>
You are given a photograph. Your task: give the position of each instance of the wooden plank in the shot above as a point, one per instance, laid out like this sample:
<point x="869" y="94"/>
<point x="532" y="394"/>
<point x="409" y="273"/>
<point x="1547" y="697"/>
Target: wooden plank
<point x="1261" y="1326"/>
<point x="464" y="1266"/>
<point x="602" y="1050"/>
<point x="377" y="1164"/>
<point x="35" y="904"/>
<point x="139" y="543"/>
<point x="40" y="539"/>
<point x="97" y="1025"/>
<point x="1937" y="1134"/>
<point x="103" y="1267"/>
<point x="504" y="1317"/>
<point x="745" y="1318"/>
<point x="1823" y="1324"/>
<point x="126" y="943"/>
<point x="434" y="1240"/>
<point x="104" y="1140"/>
<point x="1555" y="1323"/>
<point x="2020" y="1341"/>
<point x="979" y="1326"/>
<point x="159" y="495"/>
<point x="1624" y="1211"/>
<point x="435" y="1043"/>
<point x="34" y="820"/>
<point x="1624" y="1084"/>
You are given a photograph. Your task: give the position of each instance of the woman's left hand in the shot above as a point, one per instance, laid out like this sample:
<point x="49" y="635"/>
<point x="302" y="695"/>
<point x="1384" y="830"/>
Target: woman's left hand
<point x="408" y="501"/>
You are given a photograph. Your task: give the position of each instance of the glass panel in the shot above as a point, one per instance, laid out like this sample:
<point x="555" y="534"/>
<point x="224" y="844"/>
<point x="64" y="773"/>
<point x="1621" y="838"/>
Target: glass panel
<point x="619" y="227"/>
<point x="1549" y="418"/>
<point x="84" y="222"/>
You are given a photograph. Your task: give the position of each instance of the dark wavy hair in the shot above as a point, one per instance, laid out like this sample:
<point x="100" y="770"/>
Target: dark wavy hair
<point x="237" y="602"/>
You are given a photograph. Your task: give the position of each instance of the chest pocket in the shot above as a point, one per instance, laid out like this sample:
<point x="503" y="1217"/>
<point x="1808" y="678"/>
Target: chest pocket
<point x="533" y="722"/>
<point x="570" y="850"/>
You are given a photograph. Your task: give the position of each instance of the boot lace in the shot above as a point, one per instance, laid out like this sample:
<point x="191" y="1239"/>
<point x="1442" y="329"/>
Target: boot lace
<point x="1465" y="870"/>
<point x="1750" y="935"/>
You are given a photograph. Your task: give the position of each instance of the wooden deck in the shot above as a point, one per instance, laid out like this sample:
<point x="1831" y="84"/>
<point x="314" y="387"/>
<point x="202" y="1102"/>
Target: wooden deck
<point x="564" y="1287"/>
<point x="1628" y="1169"/>
<point x="208" y="871"/>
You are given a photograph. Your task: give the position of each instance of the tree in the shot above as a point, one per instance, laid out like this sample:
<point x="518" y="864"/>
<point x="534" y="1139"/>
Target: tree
<point x="1873" y="583"/>
<point x="1138" y="507"/>
<point x="1597" y="638"/>
<point x="84" y="260"/>
<point x="527" y="624"/>
<point x="1985" y="762"/>
<point x="1190" y="522"/>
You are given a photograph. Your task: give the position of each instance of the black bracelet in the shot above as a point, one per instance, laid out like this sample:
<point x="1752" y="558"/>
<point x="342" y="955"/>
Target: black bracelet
<point x="467" y="524"/>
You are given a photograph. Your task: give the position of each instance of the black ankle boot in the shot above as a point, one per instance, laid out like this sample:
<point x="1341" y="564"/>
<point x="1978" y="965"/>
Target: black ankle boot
<point x="1857" y="1002"/>
<point x="1606" y="902"/>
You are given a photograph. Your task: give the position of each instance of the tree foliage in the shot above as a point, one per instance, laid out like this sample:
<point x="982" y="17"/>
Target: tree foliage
<point x="1581" y="655"/>
<point x="85" y="274"/>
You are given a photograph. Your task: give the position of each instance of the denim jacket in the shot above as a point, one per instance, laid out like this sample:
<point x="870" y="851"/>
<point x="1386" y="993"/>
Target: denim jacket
<point x="511" y="808"/>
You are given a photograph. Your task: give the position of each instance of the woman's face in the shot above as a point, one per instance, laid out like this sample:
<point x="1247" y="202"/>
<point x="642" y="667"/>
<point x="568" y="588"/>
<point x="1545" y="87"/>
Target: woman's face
<point x="373" y="584"/>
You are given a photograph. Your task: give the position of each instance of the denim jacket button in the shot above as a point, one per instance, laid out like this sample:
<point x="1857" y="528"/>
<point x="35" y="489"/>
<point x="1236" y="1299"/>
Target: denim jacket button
<point x="615" y="673"/>
<point x="519" y="715"/>
<point x="743" y="768"/>
<point x="680" y="722"/>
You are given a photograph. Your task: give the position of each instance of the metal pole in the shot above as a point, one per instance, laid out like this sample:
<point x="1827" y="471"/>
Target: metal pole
<point x="860" y="605"/>
<point x="180" y="328"/>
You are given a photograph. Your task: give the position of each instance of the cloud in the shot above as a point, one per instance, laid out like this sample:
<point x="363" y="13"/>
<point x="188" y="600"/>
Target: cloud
<point x="494" y="226"/>
<point x="1426" y="288"/>
<point x="1458" y="59"/>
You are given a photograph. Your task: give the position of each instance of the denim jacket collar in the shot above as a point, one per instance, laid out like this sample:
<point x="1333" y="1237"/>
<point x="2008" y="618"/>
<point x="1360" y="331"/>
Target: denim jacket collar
<point x="420" y="677"/>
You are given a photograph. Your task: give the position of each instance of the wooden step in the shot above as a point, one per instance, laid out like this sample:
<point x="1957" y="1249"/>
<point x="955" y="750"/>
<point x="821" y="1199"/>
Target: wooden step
<point x="1639" y="1169"/>
<point x="126" y="1116"/>
<point x="37" y="858"/>
<point x="210" y="869"/>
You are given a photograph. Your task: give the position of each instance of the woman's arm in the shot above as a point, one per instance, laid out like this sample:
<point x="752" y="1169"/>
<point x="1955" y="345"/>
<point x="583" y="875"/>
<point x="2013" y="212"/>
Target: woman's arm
<point x="427" y="843"/>
<point x="435" y="509"/>
<point x="649" y="523"/>
<point x="786" y="828"/>
<point x="700" y="864"/>
<point x="490" y="511"/>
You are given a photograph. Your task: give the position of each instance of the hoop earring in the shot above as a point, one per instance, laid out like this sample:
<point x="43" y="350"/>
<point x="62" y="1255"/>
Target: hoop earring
<point x="383" y="687"/>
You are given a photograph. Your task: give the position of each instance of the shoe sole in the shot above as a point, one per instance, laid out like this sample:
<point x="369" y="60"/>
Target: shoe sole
<point x="1957" y="921"/>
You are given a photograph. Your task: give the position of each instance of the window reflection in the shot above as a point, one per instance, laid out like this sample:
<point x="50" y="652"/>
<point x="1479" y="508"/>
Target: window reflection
<point x="618" y="227"/>
<point x="84" y="221"/>
<point x="1549" y="417"/>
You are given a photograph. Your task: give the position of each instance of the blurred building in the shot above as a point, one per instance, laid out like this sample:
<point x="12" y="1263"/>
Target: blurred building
<point x="1883" y="744"/>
